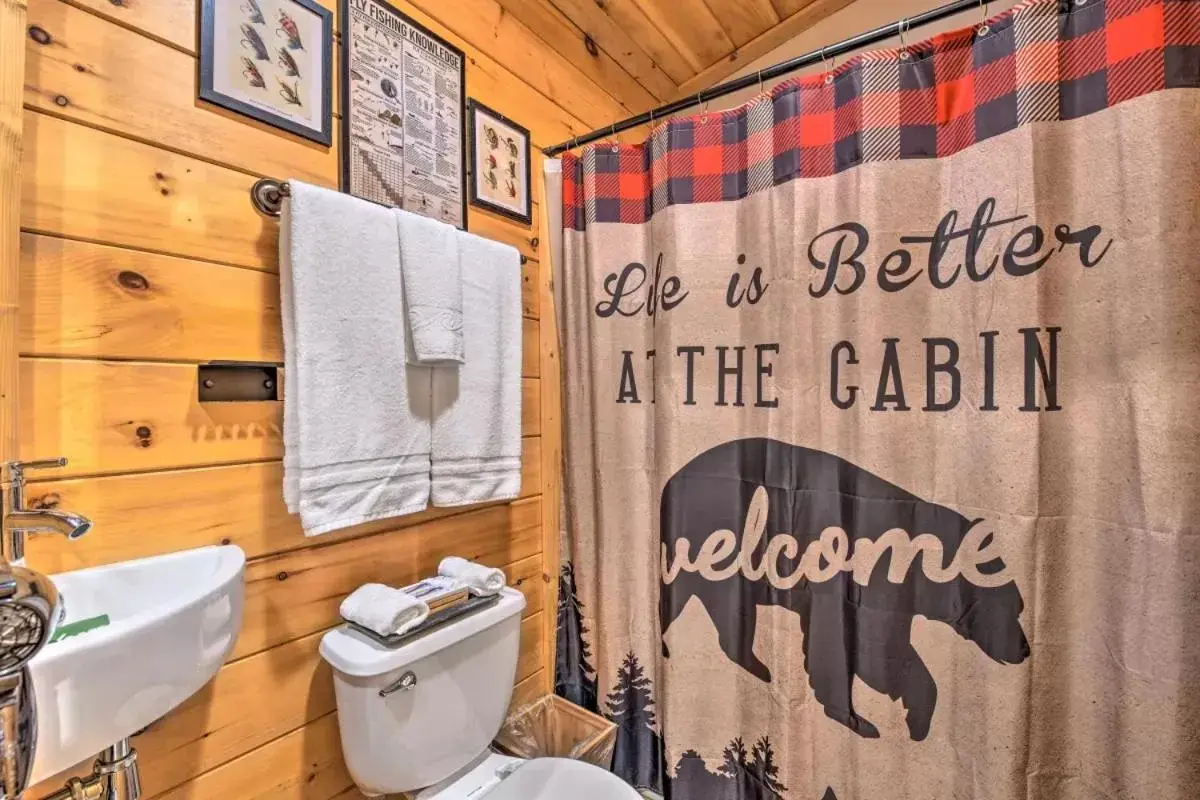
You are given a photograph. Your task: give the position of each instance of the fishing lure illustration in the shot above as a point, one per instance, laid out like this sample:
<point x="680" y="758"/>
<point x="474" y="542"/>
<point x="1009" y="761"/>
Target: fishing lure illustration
<point x="511" y="187"/>
<point x="491" y="160"/>
<point x="253" y="41"/>
<point x="512" y="147"/>
<point x="252" y="74"/>
<point x="254" y="11"/>
<point x="290" y="93"/>
<point x="512" y="169"/>
<point x="490" y="177"/>
<point x="288" y="64"/>
<point x="392" y="117"/>
<point x="493" y="140"/>
<point x="290" y="31"/>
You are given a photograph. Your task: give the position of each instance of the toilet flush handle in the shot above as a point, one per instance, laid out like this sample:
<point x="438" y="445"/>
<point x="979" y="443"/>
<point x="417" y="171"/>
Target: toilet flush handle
<point x="402" y="684"/>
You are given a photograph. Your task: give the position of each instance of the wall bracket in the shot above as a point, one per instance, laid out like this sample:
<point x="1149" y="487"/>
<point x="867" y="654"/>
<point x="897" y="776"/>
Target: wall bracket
<point x="238" y="381"/>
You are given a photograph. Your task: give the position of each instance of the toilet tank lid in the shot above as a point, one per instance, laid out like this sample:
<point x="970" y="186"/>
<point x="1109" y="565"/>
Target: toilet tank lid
<point x="353" y="653"/>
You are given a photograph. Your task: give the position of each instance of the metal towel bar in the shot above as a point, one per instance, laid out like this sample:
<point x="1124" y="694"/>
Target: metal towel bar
<point x="267" y="196"/>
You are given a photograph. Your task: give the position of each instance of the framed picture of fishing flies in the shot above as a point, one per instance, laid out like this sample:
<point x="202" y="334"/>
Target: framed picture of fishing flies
<point x="271" y="60"/>
<point x="499" y="152"/>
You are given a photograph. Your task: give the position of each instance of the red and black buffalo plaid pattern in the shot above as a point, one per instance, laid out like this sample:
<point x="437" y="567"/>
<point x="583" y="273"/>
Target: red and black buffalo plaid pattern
<point x="1042" y="60"/>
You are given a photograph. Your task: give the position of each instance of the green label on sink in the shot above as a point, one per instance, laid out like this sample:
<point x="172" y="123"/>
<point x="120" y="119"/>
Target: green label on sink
<point x="78" y="627"/>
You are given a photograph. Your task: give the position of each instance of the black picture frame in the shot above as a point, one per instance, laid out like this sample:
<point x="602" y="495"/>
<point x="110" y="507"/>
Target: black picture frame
<point x="347" y="118"/>
<point x="210" y="94"/>
<point x="475" y="107"/>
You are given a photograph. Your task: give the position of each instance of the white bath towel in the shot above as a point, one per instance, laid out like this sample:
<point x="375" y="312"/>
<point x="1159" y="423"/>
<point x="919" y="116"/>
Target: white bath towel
<point x="480" y="579"/>
<point x="432" y="289"/>
<point x="383" y="609"/>
<point x="477" y="408"/>
<point x="357" y="422"/>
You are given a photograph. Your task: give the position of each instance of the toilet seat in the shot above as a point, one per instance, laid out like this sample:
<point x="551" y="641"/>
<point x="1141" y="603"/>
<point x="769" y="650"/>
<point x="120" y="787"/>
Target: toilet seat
<point x="498" y="777"/>
<point x="561" y="778"/>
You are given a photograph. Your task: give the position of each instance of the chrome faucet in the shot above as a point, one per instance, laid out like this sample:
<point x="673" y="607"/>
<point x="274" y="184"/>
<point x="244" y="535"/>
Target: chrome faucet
<point x="30" y="607"/>
<point x="19" y="520"/>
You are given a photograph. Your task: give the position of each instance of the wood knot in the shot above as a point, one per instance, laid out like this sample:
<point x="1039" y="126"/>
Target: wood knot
<point x="133" y="281"/>
<point x="590" y="44"/>
<point x="534" y="242"/>
<point x="40" y="34"/>
<point x="281" y="576"/>
<point x="81" y="68"/>
<point x="47" y="501"/>
<point x="61" y="100"/>
<point x="225" y="540"/>
<point x="117" y="3"/>
<point x="143" y="433"/>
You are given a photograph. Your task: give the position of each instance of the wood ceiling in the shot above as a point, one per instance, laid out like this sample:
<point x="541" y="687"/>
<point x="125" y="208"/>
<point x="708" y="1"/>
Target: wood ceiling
<point x="646" y="52"/>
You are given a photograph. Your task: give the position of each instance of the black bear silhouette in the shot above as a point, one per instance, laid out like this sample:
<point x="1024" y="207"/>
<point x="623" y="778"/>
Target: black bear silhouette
<point x="849" y="629"/>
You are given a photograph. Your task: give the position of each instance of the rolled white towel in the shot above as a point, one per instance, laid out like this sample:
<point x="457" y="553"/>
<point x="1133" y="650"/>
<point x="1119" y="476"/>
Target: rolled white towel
<point x="481" y="580"/>
<point x="382" y="609"/>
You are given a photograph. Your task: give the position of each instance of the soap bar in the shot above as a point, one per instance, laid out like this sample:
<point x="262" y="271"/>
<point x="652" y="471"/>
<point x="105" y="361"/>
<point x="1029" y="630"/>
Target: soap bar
<point x="438" y="592"/>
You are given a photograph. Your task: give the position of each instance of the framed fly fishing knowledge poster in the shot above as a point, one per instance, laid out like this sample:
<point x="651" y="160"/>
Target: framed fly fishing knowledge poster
<point x="403" y="113"/>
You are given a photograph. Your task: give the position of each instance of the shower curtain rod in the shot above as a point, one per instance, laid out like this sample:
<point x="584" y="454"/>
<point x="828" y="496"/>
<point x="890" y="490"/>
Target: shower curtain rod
<point x="880" y="34"/>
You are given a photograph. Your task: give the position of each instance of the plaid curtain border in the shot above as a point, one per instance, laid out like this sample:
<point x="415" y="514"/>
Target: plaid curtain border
<point x="1042" y="60"/>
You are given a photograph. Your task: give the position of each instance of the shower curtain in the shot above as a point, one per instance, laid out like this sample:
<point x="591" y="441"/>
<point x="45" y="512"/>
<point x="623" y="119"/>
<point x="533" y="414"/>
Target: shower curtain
<point x="883" y="450"/>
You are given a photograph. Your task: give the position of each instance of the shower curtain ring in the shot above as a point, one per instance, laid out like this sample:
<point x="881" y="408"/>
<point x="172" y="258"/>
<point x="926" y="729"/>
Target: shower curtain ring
<point x="616" y="146"/>
<point x="983" y="28"/>
<point x="902" y="28"/>
<point x="826" y="64"/>
<point x="760" y="83"/>
<point x="703" y="108"/>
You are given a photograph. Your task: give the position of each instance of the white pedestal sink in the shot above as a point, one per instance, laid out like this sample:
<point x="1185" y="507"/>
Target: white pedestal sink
<point x="173" y="621"/>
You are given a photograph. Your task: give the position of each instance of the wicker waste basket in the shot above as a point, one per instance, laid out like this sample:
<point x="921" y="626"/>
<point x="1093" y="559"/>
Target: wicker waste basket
<point x="554" y="727"/>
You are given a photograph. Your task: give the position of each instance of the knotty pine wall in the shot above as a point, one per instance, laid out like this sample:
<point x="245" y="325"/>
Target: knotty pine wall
<point x="141" y="256"/>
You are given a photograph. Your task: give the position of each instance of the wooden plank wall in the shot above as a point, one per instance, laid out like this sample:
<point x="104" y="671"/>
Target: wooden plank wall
<point x="140" y="256"/>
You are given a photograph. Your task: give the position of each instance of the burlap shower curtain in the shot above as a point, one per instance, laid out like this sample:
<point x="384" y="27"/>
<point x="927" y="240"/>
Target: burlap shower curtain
<point x="881" y="424"/>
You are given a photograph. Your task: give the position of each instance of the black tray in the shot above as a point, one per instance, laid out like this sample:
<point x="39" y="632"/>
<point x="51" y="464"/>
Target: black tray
<point x="435" y="620"/>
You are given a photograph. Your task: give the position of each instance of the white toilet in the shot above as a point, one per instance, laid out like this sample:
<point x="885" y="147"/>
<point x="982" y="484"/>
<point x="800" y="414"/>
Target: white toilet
<point x="420" y="718"/>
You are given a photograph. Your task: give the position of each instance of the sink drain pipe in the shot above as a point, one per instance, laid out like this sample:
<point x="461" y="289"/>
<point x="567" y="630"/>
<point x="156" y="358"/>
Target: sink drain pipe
<point x="114" y="777"/>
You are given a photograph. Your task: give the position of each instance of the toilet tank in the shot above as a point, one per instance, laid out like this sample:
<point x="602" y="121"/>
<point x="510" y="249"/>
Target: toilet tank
<point x="412" y="738"/>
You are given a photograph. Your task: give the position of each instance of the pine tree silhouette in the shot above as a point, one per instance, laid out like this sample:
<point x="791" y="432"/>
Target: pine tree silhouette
<point x="639" y="750"/>
<point x="764" y="767"/>
<point x="735" y="757"/>
<point x="741" y="776"/>
<point x="574" y="676"/>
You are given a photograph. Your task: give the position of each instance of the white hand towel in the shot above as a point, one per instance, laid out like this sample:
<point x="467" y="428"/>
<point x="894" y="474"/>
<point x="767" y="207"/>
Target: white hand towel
<point x="477" y="408"/>
<point x="357" y="422"/>
<point x="481" y="580"/>
<point x="432" y="289"/>
<point x="383" y="609"/>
